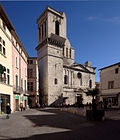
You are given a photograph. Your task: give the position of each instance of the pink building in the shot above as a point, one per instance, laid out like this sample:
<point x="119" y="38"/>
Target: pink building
<point x="19" y="66"/>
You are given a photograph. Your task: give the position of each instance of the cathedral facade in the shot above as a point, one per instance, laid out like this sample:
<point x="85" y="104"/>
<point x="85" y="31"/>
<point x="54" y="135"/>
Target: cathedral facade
<point x="61" y="80"/>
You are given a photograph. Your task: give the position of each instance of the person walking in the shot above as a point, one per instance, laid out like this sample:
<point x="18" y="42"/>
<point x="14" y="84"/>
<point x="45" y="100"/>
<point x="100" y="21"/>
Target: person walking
<point x="8" y="110"/>
<point x="21" y="106"/>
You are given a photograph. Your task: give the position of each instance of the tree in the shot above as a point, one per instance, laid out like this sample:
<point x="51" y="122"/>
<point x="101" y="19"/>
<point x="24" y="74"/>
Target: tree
<point x="93" y="93"/>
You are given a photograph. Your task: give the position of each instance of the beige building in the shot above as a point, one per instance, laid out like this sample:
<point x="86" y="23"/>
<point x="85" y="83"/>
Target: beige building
<point x="13" y="67"/>
<point x="61" y="80"/>
<point x="33" y="86"/>
<point x="6" y="80"/>
<point x="110" y="84"/>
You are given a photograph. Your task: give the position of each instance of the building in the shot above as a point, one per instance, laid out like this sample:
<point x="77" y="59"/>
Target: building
<point x="32" y="84"/>
<point x="62" y="81"/>
<point x="19" y="67"/>
<point x="6" y="73"/>
<point x="110" y="84"/>
<point x="13" y="66"/>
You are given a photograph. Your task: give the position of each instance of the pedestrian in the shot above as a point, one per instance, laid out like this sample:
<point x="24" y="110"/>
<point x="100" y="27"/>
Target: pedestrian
<point x="8" y="110"/>
<point x="21" y="106"/>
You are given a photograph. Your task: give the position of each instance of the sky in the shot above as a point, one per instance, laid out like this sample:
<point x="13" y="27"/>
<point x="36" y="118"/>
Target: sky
<point x="93" y="28"/>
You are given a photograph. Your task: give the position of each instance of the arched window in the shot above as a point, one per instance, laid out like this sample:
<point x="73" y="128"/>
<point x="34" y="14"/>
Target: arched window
<point x="16" y="79"/>
<point x="57" y="28"/>
<point x="56" y="81"/>
<point x="90" y="83"/>
<point x="79" y="75"/>
<point x="65" y="79"/>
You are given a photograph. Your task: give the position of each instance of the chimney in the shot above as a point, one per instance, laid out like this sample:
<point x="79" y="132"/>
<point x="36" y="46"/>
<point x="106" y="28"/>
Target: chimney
<point x="88" y="63"/>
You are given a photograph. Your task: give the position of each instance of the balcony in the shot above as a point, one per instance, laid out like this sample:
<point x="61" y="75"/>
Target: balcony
<point x="2" y="80"/>
<point x="18" y="89"/>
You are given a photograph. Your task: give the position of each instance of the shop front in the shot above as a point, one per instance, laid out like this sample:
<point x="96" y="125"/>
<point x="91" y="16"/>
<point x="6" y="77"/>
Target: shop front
<point x="4" y="100"/>
<point x="110" y="100"/>
<point x="16" y="102"/>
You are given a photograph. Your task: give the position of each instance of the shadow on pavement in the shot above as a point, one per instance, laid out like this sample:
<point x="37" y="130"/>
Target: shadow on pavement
<point x="80" y="128"/>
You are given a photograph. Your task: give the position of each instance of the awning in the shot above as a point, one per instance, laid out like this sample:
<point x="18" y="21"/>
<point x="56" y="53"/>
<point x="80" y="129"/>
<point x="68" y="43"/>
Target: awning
<point x="25" y="98"/>
<point x="22" y="98"/>
<point x="109" y="95"/>
<point x="17" y="97"/>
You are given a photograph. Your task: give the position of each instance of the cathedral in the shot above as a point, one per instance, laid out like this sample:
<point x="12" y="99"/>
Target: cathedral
<point x="61" y="80"/>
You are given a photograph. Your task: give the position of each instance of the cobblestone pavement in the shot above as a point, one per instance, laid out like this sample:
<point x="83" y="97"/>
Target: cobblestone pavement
<point x="52" y="124"/>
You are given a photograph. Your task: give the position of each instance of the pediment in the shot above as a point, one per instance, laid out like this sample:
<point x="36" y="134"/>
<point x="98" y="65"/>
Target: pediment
<point x="80" y="67"/>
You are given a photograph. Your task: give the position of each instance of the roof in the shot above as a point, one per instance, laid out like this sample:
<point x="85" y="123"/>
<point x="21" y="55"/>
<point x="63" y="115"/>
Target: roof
<point x="6" y="19"/>
<point x="76" y="69"/>
<point x="52" y="11"/>
<point x="110" y="66"/>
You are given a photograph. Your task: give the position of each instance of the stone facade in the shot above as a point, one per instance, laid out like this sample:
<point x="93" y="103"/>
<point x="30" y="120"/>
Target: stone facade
<point x="61" y="80"/>
<point x="110" y="84"/>
<point x="33" y="80"/>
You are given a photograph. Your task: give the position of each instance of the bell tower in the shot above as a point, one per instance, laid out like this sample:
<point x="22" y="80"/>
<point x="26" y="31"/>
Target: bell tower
<point x="51" y="29"/>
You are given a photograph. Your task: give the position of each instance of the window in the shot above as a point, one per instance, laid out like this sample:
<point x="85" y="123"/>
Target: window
<point x="28" y="61"/>
<point x="30" y="86"/>
<point x="21" y="83"/>
<point x="42" y="31"/>
<point x="90" y="83"/>
<point x="65" y="79"/>
<point x="57" y="28"/>
<point x="25" y="85"/>
<point x="63" y="51"/>
<point x="3" y="42"/>
<point x="30" y="73"/>
<point x="45" y="28"/>
<point x="4" y="52"/>
<point x="16" y="63"/>
<point x="66" y="52"/>
<point x="0" y="48"/>
<point x="56" y="81"/>
<point x="110" y="84"/>
<point x="39" y="34"/>
<point x="31" y="61"/>
<point x="16" y="77"/>
<point x="4" y="27"/>
<point x="4" y="78"/>
<point x="16" y="43"/>
<point x="8" y="79"/>
<point x="8" y="71"/>
<point x="116" y="70"/>
<point x="70" y="53"/>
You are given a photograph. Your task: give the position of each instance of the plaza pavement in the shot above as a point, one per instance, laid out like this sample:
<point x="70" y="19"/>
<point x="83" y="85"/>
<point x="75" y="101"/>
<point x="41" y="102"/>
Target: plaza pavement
<point x="53" y="124"/>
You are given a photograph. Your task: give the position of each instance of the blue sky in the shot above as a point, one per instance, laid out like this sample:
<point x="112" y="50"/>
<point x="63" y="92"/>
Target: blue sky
<point x="93" y="28"/>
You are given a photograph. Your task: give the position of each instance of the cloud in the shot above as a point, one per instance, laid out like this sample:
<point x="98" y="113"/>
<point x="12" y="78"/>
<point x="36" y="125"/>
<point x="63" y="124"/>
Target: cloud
<point x="98" y="18"/>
